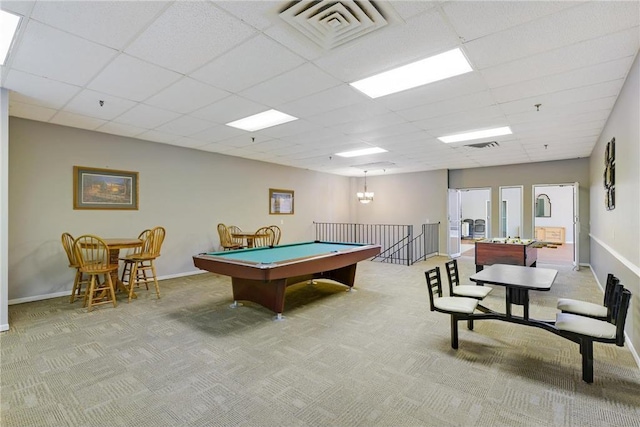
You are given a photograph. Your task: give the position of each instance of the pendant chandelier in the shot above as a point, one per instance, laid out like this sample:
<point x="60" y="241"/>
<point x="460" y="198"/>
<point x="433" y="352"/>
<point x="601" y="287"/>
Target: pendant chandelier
<point x="366" y="196"/>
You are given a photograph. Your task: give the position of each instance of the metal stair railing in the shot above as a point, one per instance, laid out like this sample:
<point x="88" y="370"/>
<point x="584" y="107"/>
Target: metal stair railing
<point x="398" y="245"/>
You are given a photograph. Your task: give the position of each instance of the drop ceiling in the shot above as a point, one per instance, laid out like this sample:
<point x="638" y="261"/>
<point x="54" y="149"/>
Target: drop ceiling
<point x="175" y="72"/>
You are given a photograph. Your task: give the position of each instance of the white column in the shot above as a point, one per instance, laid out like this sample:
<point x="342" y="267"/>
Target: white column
<point x="4" y="209"/>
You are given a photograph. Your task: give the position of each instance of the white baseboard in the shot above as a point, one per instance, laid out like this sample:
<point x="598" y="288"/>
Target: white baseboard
<point x="67" y="293"/>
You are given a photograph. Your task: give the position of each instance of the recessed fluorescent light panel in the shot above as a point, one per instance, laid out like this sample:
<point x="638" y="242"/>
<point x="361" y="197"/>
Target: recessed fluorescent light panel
<point x="363" y="152"/>
<point x="478" y="134"/>
<point x="8" y="27"/>
<point x="262" y="120"/>
<point x="429" y="70"/>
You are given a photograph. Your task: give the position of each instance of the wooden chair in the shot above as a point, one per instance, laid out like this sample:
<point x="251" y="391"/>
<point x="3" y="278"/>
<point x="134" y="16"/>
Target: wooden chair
<point x="264" y="236"/>
<point x="144" y="261"/>
<point x="589" y="309"/>
<point x="459" y="308"/>
<point x="276" y="234"/>
<point x="126" y="270"/>
<point x="586" y="330"/>
<point x="458" y="290"/>
<point x="79" y="280"/>
<point x="225" y="238"/>
<point x="237" y="242"/>
<point x="92" y="254"/>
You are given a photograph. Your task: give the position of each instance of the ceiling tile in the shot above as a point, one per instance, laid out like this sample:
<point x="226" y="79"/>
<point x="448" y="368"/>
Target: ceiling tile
<point x="259" y="14"/>
<point x="110" y="23"/>
<point x="449" y="106"/>
<point x="188" y="35"/>
<point x="145" y="116"/>
<point x="248" y="64"/>
<point x="30" y="89"/>
<point x="133" y="79"/>
<point x="87" y="102"/>
<point x="184" y="126"/>
<point x="327" y="100"/>
<point x="186" y="95"/>
<point x="583" y="22"/>
<point x="586" y="76"/>
<point x="76" y="120"/>
<point x="120" y="129"/>
<point x="302" y="81"/>
<point x="229" y="109"/>
<point x="56" y="55"/>
<point x="590" y="52"/>
<point x="475" y="19"/>
<point x="217" y="133"/>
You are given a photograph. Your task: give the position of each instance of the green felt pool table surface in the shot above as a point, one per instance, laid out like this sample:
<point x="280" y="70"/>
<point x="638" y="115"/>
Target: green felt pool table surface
<point x="276" y="254"/>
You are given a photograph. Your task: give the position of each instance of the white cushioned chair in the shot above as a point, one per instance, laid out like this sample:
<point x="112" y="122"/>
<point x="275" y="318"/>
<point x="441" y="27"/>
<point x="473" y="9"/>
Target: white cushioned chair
<point x="585" y="330"/>
<point x="590" y="309"/>
<point x="458" y="290"/>
<point x="459" y="308"/>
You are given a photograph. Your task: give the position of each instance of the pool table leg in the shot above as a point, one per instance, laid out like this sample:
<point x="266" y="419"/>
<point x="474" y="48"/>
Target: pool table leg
<point x="268" y="294"/>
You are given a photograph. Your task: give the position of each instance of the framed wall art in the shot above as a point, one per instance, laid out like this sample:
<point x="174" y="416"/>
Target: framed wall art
<point x="610" y="175"/>
<point x="280" y="202"/>
<point x="95" y="188"/>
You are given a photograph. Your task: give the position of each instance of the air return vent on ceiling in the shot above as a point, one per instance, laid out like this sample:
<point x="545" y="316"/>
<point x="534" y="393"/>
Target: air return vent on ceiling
<point x="333" y="23"/>
<point x="490" y="144"/>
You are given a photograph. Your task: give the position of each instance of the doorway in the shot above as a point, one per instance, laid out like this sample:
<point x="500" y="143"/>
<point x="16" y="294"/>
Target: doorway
<point x="469" y="219"/>
<point x="556" y="223"/>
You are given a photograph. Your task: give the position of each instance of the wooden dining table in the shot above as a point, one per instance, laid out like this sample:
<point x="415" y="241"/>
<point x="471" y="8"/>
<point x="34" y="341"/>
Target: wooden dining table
<point x="248" y="236"/>
<point x="115" y="244"/>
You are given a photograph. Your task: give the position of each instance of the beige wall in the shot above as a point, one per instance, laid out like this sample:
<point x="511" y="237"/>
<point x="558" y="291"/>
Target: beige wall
<point x="186" y="191"/>
<point x="528" y="175"/>
<point x="411" y="199"/>
<point x="615" y="242"/>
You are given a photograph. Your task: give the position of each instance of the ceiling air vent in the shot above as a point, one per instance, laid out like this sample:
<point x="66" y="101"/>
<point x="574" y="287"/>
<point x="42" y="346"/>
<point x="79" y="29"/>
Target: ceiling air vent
<point x="375" y="166"/>
<point x="490" y="144"/>
<point x="333" y="23"/>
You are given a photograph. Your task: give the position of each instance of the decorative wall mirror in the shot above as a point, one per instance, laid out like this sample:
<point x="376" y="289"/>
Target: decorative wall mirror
<point x="543" y="206"/>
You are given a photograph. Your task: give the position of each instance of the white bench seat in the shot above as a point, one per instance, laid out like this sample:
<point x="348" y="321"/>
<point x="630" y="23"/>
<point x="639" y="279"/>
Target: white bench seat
<point x="582" y="307"/>
<point x="456" y="304"/>
<point x="472" y="291"/>
<point x="585" y="326"/>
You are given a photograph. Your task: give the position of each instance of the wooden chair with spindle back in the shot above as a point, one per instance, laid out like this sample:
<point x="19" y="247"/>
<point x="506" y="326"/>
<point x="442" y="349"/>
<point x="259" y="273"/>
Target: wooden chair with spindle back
<point x="92" y="254"/>
<point x="263" y="237"/>
<point x="144" y="261"/>
<point x="79" y="280"/>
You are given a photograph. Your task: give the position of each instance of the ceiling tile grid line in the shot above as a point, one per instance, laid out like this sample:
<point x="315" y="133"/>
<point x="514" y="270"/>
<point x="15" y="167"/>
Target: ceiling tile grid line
<point x="175" y="72"/>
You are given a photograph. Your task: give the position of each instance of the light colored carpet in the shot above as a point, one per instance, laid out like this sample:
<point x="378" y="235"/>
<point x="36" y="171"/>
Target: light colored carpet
<point x="375" y="357"/>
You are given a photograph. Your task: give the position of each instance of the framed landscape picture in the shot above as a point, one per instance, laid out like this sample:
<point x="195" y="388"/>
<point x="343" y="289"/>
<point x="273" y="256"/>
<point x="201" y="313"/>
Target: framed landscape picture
<point x="95" y="188"/>
<point x="280" y="202"/>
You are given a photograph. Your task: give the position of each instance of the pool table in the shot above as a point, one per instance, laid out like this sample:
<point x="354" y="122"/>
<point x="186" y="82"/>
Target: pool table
<point x="261" y="275"/>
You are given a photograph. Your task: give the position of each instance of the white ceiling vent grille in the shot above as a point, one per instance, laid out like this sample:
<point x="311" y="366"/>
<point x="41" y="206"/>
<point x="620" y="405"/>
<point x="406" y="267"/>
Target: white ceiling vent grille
<point x="333" y="23"/>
